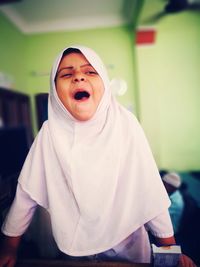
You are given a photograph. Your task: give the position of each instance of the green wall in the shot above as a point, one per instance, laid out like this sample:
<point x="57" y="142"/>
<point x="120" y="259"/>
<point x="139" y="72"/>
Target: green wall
<point x="12" y="49"/>
<point x="169" y="95"/>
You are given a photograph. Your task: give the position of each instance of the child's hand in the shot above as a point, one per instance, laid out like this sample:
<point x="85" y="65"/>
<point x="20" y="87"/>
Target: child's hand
<point x="8" y="257"/>
<point x="185" y="261"/>
<point x="8" y="251"/>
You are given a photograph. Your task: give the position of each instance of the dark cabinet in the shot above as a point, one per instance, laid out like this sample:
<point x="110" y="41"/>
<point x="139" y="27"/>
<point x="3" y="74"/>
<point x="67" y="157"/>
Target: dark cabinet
<point x="16" y="137"/>
<point x="41" y="101"/>
<point x="15" y="110"/>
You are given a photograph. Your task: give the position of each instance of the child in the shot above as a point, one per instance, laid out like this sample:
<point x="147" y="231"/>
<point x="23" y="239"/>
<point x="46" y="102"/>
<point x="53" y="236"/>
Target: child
<point x="91" y="168"/>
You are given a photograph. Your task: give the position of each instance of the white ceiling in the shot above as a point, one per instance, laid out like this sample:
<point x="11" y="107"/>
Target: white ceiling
<point x="34" y="16"/>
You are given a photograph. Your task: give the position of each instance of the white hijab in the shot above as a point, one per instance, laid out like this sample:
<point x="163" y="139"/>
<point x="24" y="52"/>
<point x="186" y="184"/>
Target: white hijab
<point x="97" y="178"/>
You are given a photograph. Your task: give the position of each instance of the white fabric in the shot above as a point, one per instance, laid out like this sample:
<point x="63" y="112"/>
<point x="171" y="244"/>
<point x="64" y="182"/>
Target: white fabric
<point x="20" y="214"/>
<point x="23" y="208"/>
<point x="161" y="225"/>
<point x="135" y="248"/>
<point x="97" y="178"/>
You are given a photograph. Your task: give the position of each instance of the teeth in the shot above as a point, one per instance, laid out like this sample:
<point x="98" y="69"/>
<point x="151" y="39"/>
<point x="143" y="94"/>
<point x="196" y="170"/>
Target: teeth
<point x="80" y="95"/>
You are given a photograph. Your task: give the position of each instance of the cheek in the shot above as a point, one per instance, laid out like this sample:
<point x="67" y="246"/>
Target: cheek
<point x="62" y="90"/>
<point x="101" y="91"/>
<point x="65" y="101"/>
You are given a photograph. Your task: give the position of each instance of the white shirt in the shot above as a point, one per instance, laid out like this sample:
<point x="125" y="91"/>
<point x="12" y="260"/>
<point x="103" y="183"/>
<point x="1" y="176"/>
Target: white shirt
<point x="23" y="208"/>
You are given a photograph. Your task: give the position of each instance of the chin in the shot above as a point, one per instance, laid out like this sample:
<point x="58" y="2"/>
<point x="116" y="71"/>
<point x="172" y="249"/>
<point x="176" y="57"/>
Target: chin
<point x="84" y="117"/>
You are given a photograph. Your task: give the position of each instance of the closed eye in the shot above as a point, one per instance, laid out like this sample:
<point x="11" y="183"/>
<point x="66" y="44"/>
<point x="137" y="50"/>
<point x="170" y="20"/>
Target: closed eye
<point x="91" y="72"/>
<point x="66" y="75"/>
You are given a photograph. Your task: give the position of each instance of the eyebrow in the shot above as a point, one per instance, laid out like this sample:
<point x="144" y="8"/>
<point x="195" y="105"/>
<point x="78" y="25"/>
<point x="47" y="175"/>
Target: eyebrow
<point x="71" y="67"/>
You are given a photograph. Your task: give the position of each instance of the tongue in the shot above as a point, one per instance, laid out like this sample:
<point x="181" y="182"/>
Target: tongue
<point x="81" y="95"/>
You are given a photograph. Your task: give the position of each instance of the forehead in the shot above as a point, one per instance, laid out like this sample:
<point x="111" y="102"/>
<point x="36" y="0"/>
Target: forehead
<point x="73" y="59"/>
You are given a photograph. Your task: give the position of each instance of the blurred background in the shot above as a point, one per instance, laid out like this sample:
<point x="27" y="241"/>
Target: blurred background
<point x="151" y="45"/>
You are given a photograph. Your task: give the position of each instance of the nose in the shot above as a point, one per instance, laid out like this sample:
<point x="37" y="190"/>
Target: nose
<point x="79" y="77"/>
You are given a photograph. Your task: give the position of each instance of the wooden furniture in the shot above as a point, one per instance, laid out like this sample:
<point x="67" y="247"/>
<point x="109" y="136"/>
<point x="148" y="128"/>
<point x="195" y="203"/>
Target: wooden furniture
<point x="54" y="263"/>
<point x="15" y="110"/>
<point x="15" y="139"/>
<point x="41" y="101"/>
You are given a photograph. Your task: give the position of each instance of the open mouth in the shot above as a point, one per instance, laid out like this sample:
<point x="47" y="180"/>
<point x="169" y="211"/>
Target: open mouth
<point x="81" y="95"/>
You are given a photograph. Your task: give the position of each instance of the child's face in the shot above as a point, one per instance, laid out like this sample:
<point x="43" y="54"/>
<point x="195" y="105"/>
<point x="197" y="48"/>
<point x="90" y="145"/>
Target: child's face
<point x="78" y="86"/>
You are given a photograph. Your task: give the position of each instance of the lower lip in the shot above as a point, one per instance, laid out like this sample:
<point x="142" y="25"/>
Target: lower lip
<point x="84" y="99"/>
